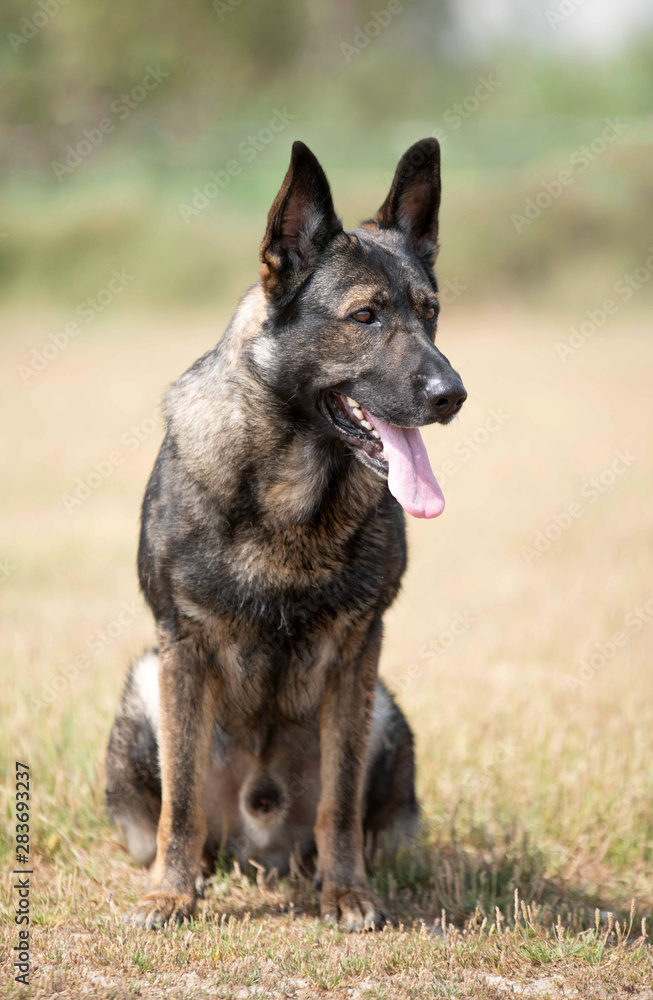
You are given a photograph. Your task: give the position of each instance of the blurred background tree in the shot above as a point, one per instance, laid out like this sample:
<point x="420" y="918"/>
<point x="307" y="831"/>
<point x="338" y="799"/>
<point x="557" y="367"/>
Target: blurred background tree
<point x="358" y="82"/>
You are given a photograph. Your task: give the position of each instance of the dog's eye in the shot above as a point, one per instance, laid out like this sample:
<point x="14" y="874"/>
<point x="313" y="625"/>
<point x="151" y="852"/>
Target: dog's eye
<point x="363" y="316"/>
<point x="430" y="314"/>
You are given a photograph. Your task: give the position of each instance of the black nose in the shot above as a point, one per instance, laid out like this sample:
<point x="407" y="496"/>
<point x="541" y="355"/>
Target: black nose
<point x="445" y="397"/>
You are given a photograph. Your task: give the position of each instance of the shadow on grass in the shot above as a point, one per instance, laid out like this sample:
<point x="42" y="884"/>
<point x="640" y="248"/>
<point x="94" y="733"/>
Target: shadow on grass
<point x="422" y="881"/>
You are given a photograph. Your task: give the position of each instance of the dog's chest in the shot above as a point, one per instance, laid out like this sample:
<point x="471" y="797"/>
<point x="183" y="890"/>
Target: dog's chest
<point x="280" y="610"/>
<point x="270" y="677"/>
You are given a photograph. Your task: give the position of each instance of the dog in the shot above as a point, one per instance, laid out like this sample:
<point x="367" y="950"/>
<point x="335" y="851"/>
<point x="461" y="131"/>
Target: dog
<point x="272" y="542"/>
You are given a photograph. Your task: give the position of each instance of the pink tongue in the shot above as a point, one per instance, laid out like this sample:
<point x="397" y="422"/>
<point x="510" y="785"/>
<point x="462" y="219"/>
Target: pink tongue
<point x="410" y="477"/>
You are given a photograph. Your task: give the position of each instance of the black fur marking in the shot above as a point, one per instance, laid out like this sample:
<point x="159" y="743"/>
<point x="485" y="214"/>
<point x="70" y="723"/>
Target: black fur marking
<point x="270" y="549"/>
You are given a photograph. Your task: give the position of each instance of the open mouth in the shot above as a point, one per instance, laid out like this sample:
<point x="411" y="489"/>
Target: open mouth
<point x="354" y="425"/>
<point x="392" y="452"/>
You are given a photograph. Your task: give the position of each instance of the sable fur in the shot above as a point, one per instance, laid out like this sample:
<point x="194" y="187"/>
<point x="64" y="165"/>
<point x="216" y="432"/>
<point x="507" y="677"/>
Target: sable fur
<point x="270" y="549"/>
<point x="240" y="825"/>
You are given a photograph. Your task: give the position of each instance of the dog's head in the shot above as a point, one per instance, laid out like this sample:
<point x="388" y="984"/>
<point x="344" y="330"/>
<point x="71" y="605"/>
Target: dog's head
<point x="353" y="316"/>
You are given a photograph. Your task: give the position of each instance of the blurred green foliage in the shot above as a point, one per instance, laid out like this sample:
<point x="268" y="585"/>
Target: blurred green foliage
<point x="235" y="81"/>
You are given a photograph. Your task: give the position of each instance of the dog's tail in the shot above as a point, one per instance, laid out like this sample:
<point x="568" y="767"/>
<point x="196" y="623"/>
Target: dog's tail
<point x="133" y="789"/>
<point x="390" y="809"/>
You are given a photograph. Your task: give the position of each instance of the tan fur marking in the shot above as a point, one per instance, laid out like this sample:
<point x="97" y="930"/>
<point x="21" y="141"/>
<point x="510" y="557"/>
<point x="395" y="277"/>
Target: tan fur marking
<point x="298" y="481"/>
<point x="188" y="695"/>
<point x="345" y="723"/>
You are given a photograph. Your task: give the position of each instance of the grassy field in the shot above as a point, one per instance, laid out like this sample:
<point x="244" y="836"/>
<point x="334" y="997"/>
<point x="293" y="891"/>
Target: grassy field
<point x="519" y="650"/>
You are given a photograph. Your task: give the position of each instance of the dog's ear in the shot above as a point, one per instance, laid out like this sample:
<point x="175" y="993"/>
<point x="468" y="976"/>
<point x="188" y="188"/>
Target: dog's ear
<point x="413" y="202"/>
<point x="301" y="223"/>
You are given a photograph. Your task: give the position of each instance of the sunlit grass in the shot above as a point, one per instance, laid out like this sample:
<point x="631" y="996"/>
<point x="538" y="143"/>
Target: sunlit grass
<point x="524" y="784"/>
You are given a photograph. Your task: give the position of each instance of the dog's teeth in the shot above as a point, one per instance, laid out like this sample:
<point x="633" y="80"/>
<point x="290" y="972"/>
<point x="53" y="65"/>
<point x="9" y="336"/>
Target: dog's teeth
<point x="352" y="402"/>
<point x="366" y="424"/>
<point x="358" y="413"/>
<point x="375" y="434"/>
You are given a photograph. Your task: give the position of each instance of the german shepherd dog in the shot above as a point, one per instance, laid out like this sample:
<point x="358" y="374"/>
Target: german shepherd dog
<point x="272" y="543"/>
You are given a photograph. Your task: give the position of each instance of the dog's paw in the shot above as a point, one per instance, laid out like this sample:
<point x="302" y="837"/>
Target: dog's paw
<point x="352" y="908"/>
<point x="156" y="909"/>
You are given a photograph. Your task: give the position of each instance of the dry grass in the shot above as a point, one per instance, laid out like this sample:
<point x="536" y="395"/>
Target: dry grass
<point x="528" y="780"/>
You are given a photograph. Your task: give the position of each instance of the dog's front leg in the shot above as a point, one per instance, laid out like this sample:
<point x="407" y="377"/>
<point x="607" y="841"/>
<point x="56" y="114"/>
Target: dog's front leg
<point x="188" y="693"/>
<point x="345" y="721"/>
